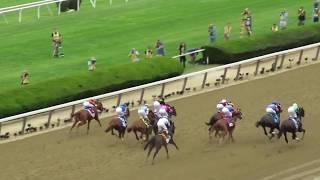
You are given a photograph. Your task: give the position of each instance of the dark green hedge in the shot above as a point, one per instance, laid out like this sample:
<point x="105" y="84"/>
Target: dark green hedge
<point x="241" y="49"/>
<point x="86" y="84"/>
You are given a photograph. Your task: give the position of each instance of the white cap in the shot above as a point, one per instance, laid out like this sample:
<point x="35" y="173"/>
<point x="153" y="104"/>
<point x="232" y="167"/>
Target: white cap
<point x="223" y="101"/>
<point x="220" y="106"/>
<point x="118" y="110"/>
<point x="156" y="104"/>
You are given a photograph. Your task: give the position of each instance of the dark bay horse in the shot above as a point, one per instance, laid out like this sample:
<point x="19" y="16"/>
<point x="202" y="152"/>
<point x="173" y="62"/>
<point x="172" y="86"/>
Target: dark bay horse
<point x="289" y="126"/>
<point x="268" y="121"/>
<point x="140" y="126"/>
<point x="157" y="142"/>
<point x="82" y="116"/>
<point x="222" y="127"/>
<point x="116" y="124"/>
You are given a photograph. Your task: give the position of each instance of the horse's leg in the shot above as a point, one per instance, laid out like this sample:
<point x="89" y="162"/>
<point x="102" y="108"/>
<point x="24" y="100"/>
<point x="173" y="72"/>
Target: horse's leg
<point x="231" y="134"/>
<point x="73" y="125"/>
<point x="271" y="132"/>
<point x="173" y="143"/>
<point x="88" y="126"/>
<point x="97" y="119"/>
<point x="294" y="136"/>
<point x="155" y="153"/>
<point x="167" y="151"/>
<point x="303" y="132"/>
<point x="135" y="133"/>
<point x="151" y="146"/>
<point x="285" y="136"/>
<point x="265" y="131"/>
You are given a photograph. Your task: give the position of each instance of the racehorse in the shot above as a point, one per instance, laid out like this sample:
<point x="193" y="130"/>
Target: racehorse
<point x="222" y="125"/>
<point x="289" y="126"/>
<point x="116" y="124"/>
<point x="140" y="126"/>
<point x="268" y="121"/>
<point x="82" y="116"/>
<point x="157" y="142"/>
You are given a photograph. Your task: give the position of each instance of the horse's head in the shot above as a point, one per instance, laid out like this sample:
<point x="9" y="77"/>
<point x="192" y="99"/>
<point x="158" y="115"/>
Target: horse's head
<point x="99" y="106"/>
<point x="301" y="112"/>
<point x="172" y="111"/>
<point x="237" y="114"/>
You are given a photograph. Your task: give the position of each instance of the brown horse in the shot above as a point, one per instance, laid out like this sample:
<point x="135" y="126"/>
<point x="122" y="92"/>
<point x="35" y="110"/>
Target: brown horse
<point x="140" y="126"/>
<point x="82" y="116"/>
<point x="289" y="126"/>
<point x="116" y="124"/>
<point x="157" y="142"/>
<point x="221" y="126"/>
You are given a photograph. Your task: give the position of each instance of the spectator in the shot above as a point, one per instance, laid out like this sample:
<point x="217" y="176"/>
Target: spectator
<point x="56" y="42"/>
<point x="316" y="14"/>
<point x="160" y="48"/>
<point x="248" y="26"/>
<point x="212" y="33"/>
<point x="247" y="21"/>
<point x="148" y="53"/>
<point x="25" y="78"/>
<point x="274" y="28"/>
<point x="301" y="16"/>
<point x="134" y="55"/>
<point x="92" y="64"/>
<point x="227" y="31"/>
<point x="283" y="19"/>
<point x="182" y="50"/>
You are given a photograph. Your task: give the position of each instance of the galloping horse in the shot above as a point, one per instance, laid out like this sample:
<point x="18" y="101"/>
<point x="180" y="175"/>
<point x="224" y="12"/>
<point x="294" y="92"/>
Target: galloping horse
<point x="157" y="142"/>
<point x="222" y="125"/>
<point x="289" y="126"/>
<point x="140" y="126"/>
<point x="268" y="121"/>
<point x="116" y="124"/>
<point x="82" y="116"/>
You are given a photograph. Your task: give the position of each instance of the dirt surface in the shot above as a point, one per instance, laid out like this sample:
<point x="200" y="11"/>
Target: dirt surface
<point x="62" y="156"/>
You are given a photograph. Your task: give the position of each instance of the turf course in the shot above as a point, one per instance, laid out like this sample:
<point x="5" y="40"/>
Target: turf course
<point x="110" y="32"/>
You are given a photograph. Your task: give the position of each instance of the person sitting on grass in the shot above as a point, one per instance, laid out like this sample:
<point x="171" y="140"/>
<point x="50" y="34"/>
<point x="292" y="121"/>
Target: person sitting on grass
<point x="148" y="53"/>
<point x="134" y="55"/>
<point x="25" y="78"/>
<point x="274" y="28"/>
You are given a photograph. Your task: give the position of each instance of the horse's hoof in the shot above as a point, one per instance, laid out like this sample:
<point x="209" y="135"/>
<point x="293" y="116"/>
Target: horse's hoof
<point x="297" y="139"/>
<point x="273" y="132"/>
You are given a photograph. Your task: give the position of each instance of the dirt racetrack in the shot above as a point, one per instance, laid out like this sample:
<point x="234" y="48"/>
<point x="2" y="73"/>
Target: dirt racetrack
<point x="62" y="156"/>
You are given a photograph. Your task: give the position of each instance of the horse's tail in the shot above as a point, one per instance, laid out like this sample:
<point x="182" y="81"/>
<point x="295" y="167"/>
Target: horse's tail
<point x="109" y="128"/>
<point x="208" y="123"/>
<point x="151" y="141"/>
<point x="258" y="123"/>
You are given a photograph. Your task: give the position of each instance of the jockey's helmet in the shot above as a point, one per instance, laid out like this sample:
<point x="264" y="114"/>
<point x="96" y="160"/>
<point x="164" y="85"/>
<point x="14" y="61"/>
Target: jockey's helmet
<point x="147" y="105"/>
<point x="223" y="101"/>
<point x="274" y="102"/>
<point x="118" y="110"/>
<point x="295" y="106"/>
<point x="92" y="101"/>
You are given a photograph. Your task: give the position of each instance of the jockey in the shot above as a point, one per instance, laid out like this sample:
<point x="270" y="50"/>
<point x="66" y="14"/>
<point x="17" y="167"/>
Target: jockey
<point x="272" y="109"/>
<point x="90" y="105"/>
<point x="157" y="107"/>
<point x="293" y="116"/>
<point x="296" y="109"/>
<point x="227" y="115"/>
<point x="278" y="111"/>
<point x="121" y="116"/>
<point x="224" y="102"/>
<point x="143" y="112"/>
<point x="163" y="125"/>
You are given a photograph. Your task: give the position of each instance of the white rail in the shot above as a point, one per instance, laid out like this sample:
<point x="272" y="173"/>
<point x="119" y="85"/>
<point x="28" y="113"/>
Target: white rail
<point x="256" y="61"/>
